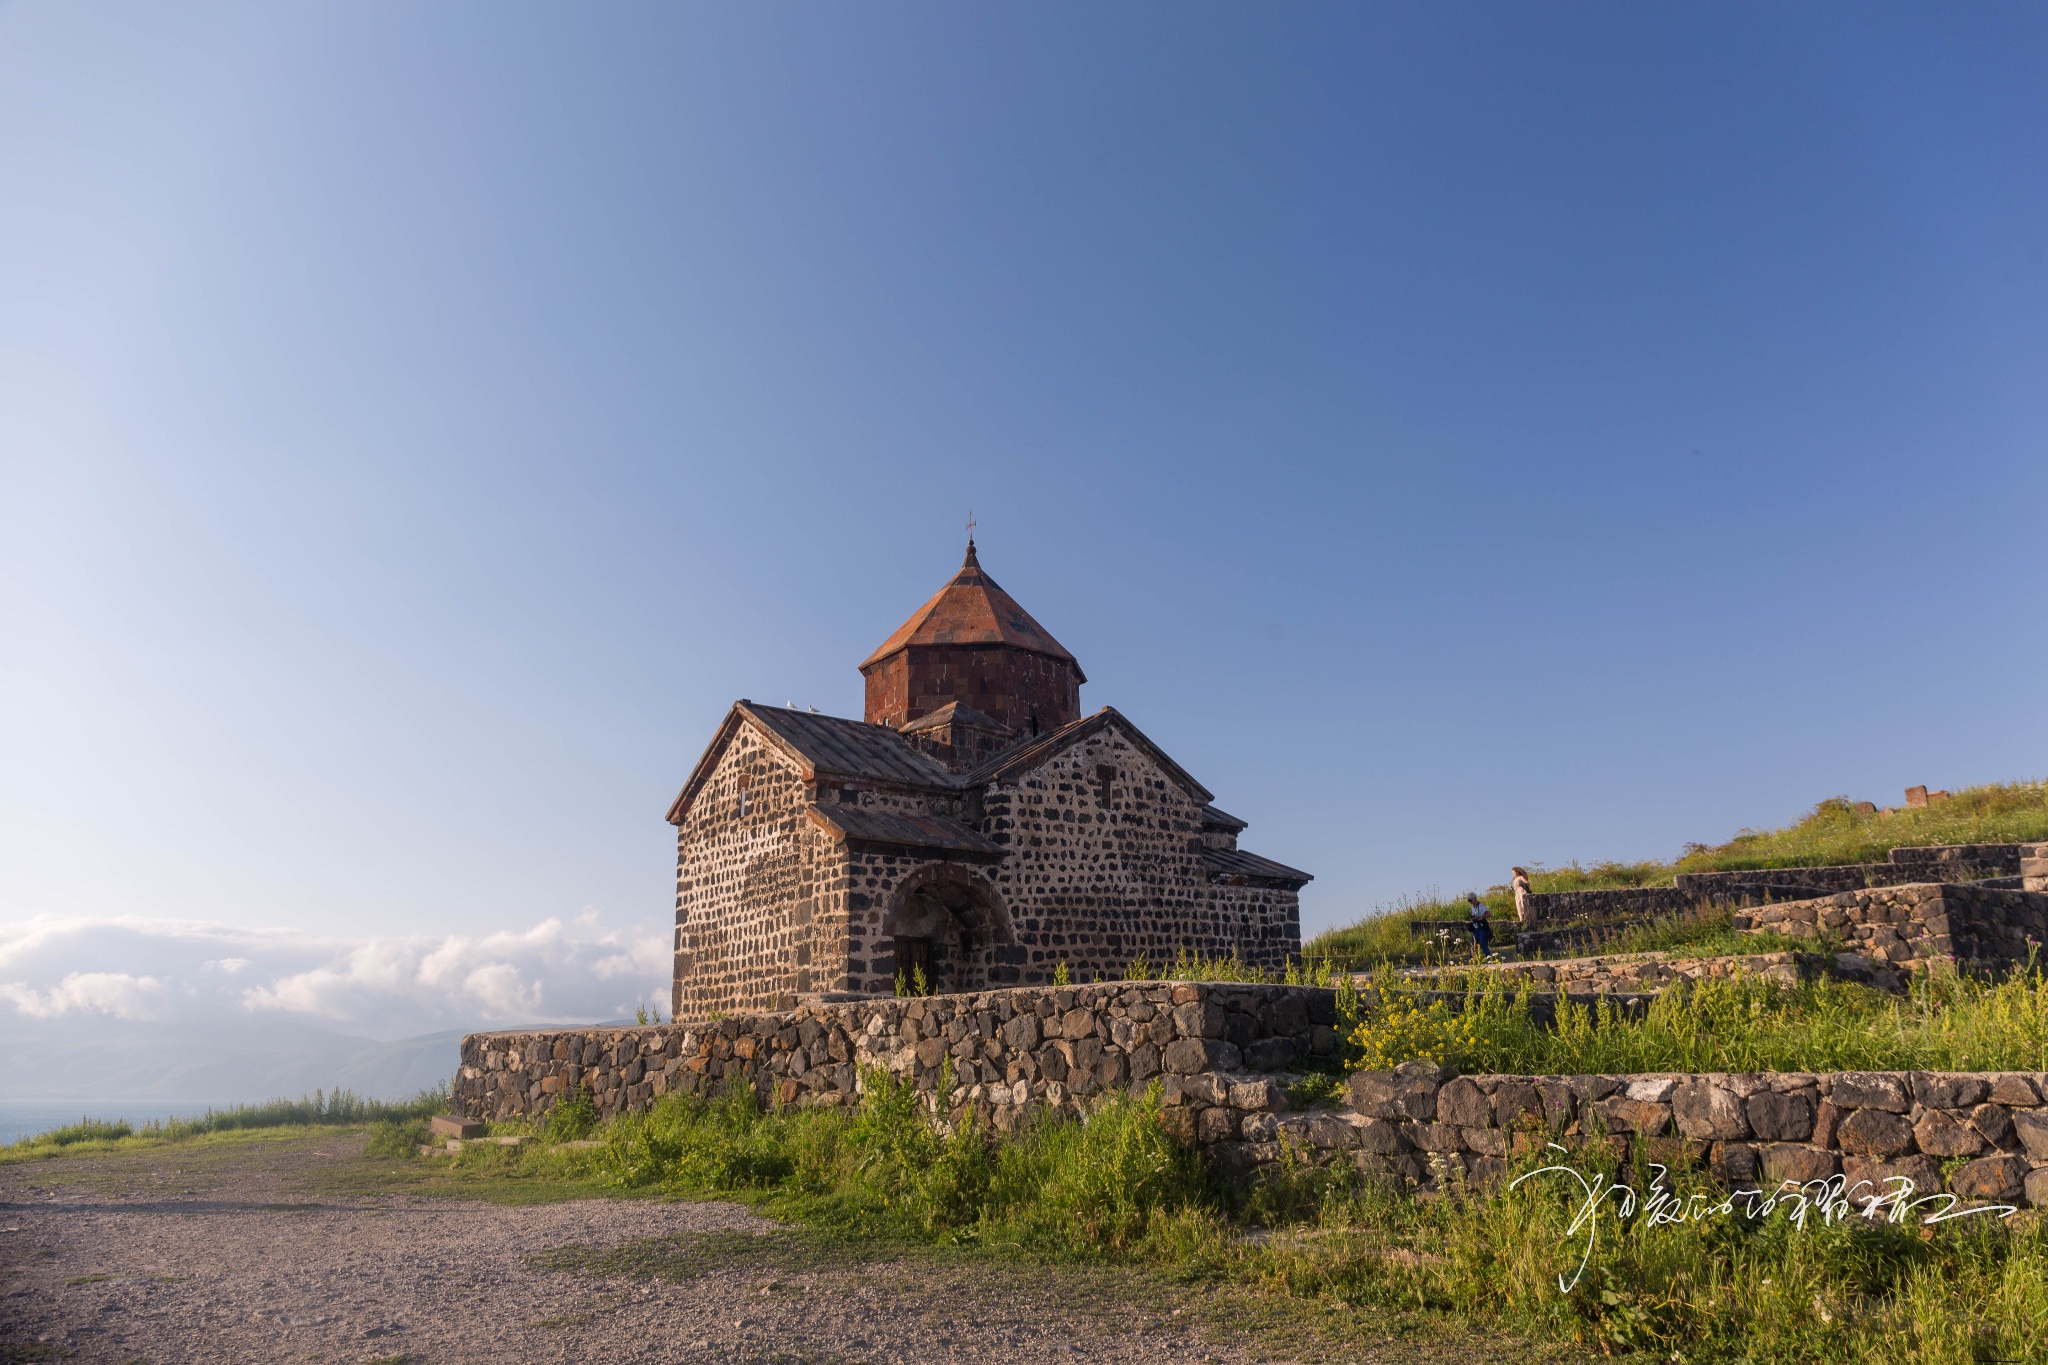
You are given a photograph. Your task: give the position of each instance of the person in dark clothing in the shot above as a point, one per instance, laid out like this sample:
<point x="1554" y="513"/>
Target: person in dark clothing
<point x="1482" y="930"/>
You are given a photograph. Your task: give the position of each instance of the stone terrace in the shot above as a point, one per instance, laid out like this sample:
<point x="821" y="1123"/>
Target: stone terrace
<point x="1908" y="927"/>
<point x="1659" y="971"/>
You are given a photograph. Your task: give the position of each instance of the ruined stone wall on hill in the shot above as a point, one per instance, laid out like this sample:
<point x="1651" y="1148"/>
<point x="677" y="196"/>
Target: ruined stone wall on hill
<point x="1909" y="927"/>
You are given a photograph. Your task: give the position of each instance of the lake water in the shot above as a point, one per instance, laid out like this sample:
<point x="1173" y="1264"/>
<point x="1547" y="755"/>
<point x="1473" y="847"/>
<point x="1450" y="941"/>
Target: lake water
<point x="26" y="1118"/>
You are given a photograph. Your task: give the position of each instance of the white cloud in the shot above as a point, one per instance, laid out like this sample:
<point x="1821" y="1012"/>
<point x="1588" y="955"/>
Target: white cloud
<point x="115" y="993"/>
<point x="391" y="986"/>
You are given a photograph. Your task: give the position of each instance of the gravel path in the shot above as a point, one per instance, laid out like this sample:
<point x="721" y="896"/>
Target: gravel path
<point x="222" y="1255"/>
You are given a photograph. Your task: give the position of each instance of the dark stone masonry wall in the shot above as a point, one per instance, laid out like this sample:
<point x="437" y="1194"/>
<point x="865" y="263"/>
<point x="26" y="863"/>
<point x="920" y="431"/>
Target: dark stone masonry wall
<point x="1565" y="914"/>
<point x="1105" y="865"/>
<point x="1223" y="1053"/>
<point x="1424" y="1123"/>
<point x="1983" y="929"/>
<point x="760" y="893"/>
<point x="1051" y="1047"/>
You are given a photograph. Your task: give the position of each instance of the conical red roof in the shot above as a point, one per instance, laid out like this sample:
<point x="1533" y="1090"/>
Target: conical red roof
<point x="972" y="610"/>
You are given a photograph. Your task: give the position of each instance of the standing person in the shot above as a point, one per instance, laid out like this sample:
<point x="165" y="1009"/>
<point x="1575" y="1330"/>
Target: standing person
<point x="1482" y="931"/>
<point x="1525" y="913"/>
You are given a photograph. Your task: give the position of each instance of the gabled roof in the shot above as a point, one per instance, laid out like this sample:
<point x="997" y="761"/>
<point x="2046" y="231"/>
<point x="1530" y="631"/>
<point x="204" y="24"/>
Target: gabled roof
<point x="1015" y="760"/>
<point x="972" y="610"/>
<point x="1213" y="818"/>
<point x="823" y="746"/>
<point x="904" y="830"/>
<point x="1233" y="863"/>
<point x="957" y="713"/>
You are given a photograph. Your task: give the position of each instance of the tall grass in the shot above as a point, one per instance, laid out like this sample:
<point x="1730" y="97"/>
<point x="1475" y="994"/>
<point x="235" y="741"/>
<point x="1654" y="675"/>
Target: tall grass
<point x="1341" y="1247"/>
<point x="884" y="1171"/>
<point x="1832" y="832"/>
<point x="330" y="1108"/>
<point x="1385" y="936"/>
<point x="1946" y="1023"/>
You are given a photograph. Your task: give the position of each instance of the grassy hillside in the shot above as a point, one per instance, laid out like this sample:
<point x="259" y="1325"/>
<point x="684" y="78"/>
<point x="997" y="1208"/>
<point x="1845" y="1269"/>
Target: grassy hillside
<point x="1833" y="832"/>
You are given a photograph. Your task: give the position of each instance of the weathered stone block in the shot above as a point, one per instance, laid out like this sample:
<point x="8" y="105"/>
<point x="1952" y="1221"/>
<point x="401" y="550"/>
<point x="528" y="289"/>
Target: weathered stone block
<point x="1188" y="1055"/>
<point x="1434" y="1137"/>
<point x="1260" y="1127"/>
<point x="2013" y="1091"/>
<point x="1485" y="1141"/>
<point x="1199" y="1019"/>
<point x="1937" y="1134"/>
<point x="2000" y="1179"/>
<point x="1257" y="1095"/>
<point x="1865" y="1177"/>
<point x="1776" y="1117"/>
<point x="1948" y="1090"/>
<point x="1215" y="1124"/>
<point x="1797" y="1163"/>
<point x="1994" y="1123"/>
<point x="1461" y="1102"/>
<point x="1869" y="1090"/>
<point x="1875" y="1133"/>
<point x="1326" y="1130"/>
<point x="2031" y="1125"/>
<point x="1672" y="1153"/>
<point x="1272" y="1054"/>
<point x="1735" y="1163"/>
<point x="1705" y="1110"/>
<point x="1634" y="1116"/>
<point x="1383" y="1136"/>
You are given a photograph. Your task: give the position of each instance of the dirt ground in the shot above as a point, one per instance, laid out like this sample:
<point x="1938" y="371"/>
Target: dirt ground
<point x="278" y="1250"/>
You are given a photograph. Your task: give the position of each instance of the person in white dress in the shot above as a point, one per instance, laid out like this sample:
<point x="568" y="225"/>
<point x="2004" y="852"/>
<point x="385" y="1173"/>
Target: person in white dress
<point x="1525" y="910"/>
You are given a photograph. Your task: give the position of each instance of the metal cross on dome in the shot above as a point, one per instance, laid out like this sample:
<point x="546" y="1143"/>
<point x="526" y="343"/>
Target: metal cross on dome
<point x="971" y="524"/>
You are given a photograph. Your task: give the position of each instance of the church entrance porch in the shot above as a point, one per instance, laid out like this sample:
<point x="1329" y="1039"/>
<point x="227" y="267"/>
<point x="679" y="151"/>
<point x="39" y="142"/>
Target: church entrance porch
<point x="947" y="922"/>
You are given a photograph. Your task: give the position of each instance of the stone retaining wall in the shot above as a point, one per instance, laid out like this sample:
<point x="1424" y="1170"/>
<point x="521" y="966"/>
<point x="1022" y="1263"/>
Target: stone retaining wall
<point x="1224" y="1056"/>
<point x="1044" y="1047"/>
<point x="1424" y="1124"/>
<point x="1982" y="929"/>
<point x="2034" y="867"/>
<point x="1634" y="972"/>
<point x="1560" y="907"/>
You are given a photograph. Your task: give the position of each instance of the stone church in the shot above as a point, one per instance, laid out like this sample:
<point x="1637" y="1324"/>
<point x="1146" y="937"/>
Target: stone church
<point x="974" y="825"/>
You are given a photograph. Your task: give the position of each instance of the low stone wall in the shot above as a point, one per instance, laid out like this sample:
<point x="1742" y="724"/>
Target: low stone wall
<point x="2034" y="867"/>
<point x="1223" y="1056"/>
<point x="1425" y="1124"/>
<point x="1554" y="908"/>
<point x="1652" y="972"/>
<point x="1982" y="929"/>
<point x="1042" y="1047"/>
<point x="1948" y="860"/>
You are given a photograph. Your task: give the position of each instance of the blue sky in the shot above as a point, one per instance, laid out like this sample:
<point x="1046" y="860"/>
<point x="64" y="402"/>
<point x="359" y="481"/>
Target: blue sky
<point x="1462" y="435"/>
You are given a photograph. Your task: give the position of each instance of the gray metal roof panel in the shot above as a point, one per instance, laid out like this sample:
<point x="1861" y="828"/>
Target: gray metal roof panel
<point x="1232" y="862"/>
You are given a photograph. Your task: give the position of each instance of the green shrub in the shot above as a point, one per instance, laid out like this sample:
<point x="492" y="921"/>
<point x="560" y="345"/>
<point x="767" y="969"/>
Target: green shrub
<point x="392" y="1138"/>
<point x="85" y="1130"/>
<point x="572" y="1118"/>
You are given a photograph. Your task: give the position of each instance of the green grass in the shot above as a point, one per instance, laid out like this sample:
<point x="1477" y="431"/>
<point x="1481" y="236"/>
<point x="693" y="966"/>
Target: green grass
<point x="1832" y="833"/>
<point x="1946" y="1023"/>
<point x="1335" y="1252"/>
<point x="321" y="1109"/>
<point x="1384" y="935"/>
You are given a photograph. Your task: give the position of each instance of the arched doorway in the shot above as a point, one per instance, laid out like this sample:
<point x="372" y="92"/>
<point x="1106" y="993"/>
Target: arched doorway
<point x="948" y="922"/>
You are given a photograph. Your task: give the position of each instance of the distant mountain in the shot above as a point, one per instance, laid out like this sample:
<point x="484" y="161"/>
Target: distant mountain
<point x="213" y="1063"/>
